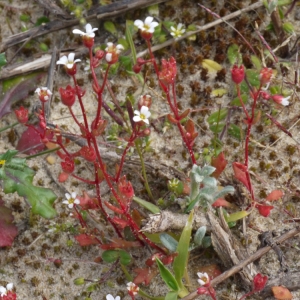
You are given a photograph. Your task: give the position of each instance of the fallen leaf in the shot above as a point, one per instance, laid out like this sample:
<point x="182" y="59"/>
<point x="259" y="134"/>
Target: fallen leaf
<point x="8" y="231"/>
<point x="281" y="293"/>
<point x="275" y="195"/>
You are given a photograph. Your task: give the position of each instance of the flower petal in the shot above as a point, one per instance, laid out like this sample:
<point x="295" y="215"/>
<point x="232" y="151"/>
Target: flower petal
<point x="136" y="119"/>
<point x="148" y="21"/>
<point x="138" y="23"/>
<point x="108" y="57"/>
<point x="109" y="297"/>
<point x="77" y="31"/>
<point x="62" y="61"/>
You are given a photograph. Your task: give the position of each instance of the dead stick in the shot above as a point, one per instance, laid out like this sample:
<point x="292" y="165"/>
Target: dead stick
<point x="246" y="262"/>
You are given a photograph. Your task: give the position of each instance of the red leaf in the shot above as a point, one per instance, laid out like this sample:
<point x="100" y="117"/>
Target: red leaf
<point x="264" y="210"/>
<point x="275" y="195"/>
<point x="8" y="231"/>
<point x="240" y="172"/>
<point x="86" y="240"/>
<point x="145" y="275"/>
<point x="221" y="203"/>
<point x="219" y="163"/>
<point x="281" y="293"/>
<point x="30" y="142"/>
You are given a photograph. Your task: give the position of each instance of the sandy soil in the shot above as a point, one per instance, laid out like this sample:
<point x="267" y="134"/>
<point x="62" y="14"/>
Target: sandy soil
<point x="29" y="262"/>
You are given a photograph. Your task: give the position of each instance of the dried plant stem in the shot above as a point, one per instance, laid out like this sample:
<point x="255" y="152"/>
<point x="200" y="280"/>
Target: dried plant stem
<point x="147" y="187"/>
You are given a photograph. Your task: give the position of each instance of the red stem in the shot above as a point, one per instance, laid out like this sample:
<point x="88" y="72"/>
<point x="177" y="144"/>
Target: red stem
<point x="129" y="144"/>
<point x="82" y="110"/>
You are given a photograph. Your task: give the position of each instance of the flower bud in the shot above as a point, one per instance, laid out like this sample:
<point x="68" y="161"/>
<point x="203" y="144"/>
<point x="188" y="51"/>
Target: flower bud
<point x="265" y="76"/>
<point x="237" y="74"/>
<point x="136" y="68"/>
<point x="68" y="165"/>
<point x="43" y="93"/>
<point x="281" y="100"/>
<point x="265" y="95"/>
<point x="63" y="177"/>
<point x="98" y="129"/>
<point x="99" y="54"/>
<point x="22" y="115"/>
<point x="145" y="100"/>
<point x="88" y="41"/>
<point x="67" y="95"/>
<point x="88" y="153"/>
<point x="79" y="281"/>
<point x="125" y="188"/>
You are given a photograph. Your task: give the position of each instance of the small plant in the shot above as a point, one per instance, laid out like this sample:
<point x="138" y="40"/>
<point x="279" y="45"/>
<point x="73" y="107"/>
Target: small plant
<point x="129" y="124"/>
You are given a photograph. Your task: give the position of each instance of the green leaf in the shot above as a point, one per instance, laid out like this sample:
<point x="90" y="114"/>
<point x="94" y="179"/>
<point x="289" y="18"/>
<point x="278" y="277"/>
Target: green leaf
<point x="236" y="101"/>
<point x="128" y="34"/>
<point x="110" y="27"/>
<point x="153" y="10"/>
<point x="41" y="21"/>
<point x="43" y="47"/>
<point x="110" y="256"/>
<point x="125" y="257"/>
<point x="24" y="18"/>
<point x="167" y="276"/>
<point x="253" y="77"/>
<point x="171" y="296"/>
<point x="151" y="207"/>
<point x="181" y="260"/>
<point x="288" y="27"/>
<point x="199" y="235"/>
<point x="17" y="177"/>
<point x="3" y="60"/>
<point x="211" y="65"/>
<point x="236" y="216"/>
<point x="235" y="131"/>
<point x="217" y="116"/>
<point x="233" y="54"/>
<point x="256" y="62"/>
<point x="217" y="128"/>
<point x="168" y="241"/>
<point x="226" y="190"/>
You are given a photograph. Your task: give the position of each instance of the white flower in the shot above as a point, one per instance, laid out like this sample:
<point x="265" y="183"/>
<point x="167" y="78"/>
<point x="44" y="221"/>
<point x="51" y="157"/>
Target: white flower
<point x="3" y="290"/>
<point x="147" y="26"/>
<point x="132" y="288"/>
<point x="68" y="61"/>
<point x="285" y="101"/>
<point x="203" y="278"/>
<point x="43" y="92"/>
<point x="89" y="31"/>
<point x="142" y="115"/>
<point x="110" y="297"/>
<point x="177" y="31"/>
<point x="112" y="51"/>
<point x="71" y="200"/>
